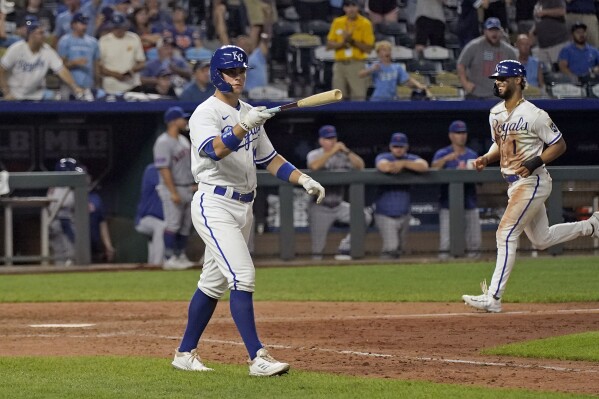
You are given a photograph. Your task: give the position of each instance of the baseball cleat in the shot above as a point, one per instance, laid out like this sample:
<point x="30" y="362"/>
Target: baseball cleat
<point x="265" y="365"/>
<point x="594" y="221"/>
<point x="484" y="302"/>
<point x="173" y="263"/>
<point x="184" y="261"/>
<point x="189" y="361"/>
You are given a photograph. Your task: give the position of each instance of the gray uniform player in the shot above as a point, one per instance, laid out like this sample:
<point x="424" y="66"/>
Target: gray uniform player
<point x="173" y="160"/>
<point x="228" y="141"/>
<point x="524" y="139"/>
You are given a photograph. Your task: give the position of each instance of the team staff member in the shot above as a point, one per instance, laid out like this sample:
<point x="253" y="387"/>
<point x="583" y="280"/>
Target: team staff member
<point x="149" y="218"/>
<point x="352" y="38"/>
<point x="457" y="156"/>
<point x="173" y="160"/>
<point x="524" y="140"/>
<point x="228" y="141"/>
<point x="392" y="206"/>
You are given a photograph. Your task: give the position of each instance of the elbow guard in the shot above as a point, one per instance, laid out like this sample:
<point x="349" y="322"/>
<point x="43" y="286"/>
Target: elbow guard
<point x="209" y="150"/>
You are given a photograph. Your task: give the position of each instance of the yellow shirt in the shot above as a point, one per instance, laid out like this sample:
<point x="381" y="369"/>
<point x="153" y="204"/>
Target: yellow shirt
<point x="361" y="30"/>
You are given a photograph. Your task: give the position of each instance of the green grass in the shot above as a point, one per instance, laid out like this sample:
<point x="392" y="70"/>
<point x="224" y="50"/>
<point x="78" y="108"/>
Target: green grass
<point x="563" y="279"/>
<point x="136" y="377"/>
<point x="584" y="346"/>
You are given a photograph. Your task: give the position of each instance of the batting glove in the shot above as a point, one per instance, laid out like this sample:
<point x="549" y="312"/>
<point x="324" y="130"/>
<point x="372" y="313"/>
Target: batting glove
<point x="312" y="187"/>
<point x="255" y="117"/>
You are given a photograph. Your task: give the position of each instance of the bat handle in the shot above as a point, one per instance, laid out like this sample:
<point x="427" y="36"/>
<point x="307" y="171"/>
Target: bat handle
<point x="273" y="110"/>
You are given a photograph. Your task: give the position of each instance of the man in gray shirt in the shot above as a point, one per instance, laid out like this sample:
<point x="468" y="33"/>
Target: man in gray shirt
<point x="478" y="59"/>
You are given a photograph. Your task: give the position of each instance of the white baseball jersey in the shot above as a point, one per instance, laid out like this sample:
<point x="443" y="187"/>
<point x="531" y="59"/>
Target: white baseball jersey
<point x="238" y="169"/>
<point x="522" y="134"/>
<point x="27" y="80"/>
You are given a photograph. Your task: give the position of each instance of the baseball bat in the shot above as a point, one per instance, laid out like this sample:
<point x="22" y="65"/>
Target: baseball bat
<point x="327" y="97"/>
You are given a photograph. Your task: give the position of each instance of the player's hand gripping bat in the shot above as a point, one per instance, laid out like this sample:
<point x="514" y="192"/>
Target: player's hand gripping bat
<point x="328" y="97"/>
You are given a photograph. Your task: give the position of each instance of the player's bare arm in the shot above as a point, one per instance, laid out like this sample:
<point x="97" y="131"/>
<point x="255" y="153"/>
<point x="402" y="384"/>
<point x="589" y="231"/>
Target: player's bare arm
<point x="417" y="165"/>
<point x="167" y="177"/>
<point x="356" y="160"/>
<point x="466" y="84"/>
<point x="550" y="154"/>
<point x="491" y="156"/>
<point x="66" y="77"/>
<point x="319" y="163"/>
<point x="440" y="163"/>
<point x="7" y="95"/>
<point x="285" y="171"/>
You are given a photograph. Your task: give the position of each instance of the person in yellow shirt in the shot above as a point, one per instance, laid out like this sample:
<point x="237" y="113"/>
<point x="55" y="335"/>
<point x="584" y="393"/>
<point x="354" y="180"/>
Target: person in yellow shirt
<point x="352" y="37"/>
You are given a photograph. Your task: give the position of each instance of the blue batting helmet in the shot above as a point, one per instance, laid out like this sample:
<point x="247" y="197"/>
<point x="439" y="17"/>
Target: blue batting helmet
<point x="68" y="165"/>
<point x="508" y="69"/>
<point x="226" y="57"/>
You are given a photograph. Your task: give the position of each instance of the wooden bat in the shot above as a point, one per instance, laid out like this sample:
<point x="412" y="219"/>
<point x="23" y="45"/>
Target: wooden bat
<point x="327" y="97"/>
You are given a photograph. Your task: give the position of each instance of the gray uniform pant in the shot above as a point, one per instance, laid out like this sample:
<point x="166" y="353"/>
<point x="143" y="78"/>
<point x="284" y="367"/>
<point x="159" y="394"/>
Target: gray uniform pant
<point x="177" y="216"/>
<point x="393" y="231"/>
<point x="473" y="232"/>
<point x="153" y="227"/>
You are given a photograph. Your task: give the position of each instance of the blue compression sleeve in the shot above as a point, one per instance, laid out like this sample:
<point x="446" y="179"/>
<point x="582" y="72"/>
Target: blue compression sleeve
<point x="230" y="140"/>
<point x="209" y="150"/>
<point x="285" y="171"/>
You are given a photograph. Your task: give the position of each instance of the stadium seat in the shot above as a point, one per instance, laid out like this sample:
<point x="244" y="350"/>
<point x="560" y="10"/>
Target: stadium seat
<point x="401" y="53"/>
<point x="436" y="53"/>
<point x="566" y="90"/>
<point x="445" y="78"/>
<point x="301" y="63"/>
<point x="268" y="93"/>
<point x="446" y="92"/>
<point x="323" y="63"/>
<point x="533" y="92"/>
<point x="319" y="28"/>
<point x="423" y="66"/>
<point x="404" y="93"/>
<point x="281" y="31"/>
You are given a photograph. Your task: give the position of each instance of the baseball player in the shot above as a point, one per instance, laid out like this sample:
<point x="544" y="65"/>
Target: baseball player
<point x="149" y="219"/>
<point x="173" y="160"/>
<point x="524" y="140"/>
<point x="457" y="156"/>
<point x="228" y="141"/>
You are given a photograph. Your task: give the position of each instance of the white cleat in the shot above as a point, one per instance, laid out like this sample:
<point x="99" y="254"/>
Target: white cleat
<point x="189" y="361"/>
<point x="594" y="221"/>
<point x="184" y="261"/>
<point x="265" y="365"/>
<point x="173" y="263"/>
<point x="484" y="302"/>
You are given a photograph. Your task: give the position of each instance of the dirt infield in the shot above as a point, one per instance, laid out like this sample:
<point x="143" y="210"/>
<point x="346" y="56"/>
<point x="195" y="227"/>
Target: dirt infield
<point x="438" y="342"/>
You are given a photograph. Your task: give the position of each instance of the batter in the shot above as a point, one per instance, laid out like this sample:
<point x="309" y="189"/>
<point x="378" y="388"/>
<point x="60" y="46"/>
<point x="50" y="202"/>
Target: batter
<point x="228" y="141"/>
<point x="524" y="140"/>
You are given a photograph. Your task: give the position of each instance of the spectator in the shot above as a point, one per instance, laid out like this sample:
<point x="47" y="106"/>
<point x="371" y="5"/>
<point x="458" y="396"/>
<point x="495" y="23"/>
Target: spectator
<point x="550" y="31"/>
<point x="458" y="156"/>
<point x="149" y="218"/>
<point x="534" y="68"/>
<point x="163" y="86"/>
<point x="167" y="60"/>
<point x="525" y="15"/>
<point x="141" y="25"/>
<point x="37" y="9"/>
<point x="104" y="21"/>
<point x="102" y="250"/>
<point x="496" y="9"/>
<point x="121" y="57"/>
<point x="478" y="59"/>
<point x="430" y="24"/>
<point x="332" y="155"/>
<point x="200" y="88"/>
<point x="579" y="60"/>
<point x="257" y="75"/>
<point x="352" y="38"/>
<point x="386" y="75"/>
<point x="584" y="11"/>
<point x="172" y="158"/>
<point x="159" y="17"/>
<point x="392" y="206"/>
<point x="183" y="35"/>
<point x="63" y="20"/>
<point x="80" y="54"/>
<point x="382" y="11"/>
<point x="122" y="6"/>
<point x="261" y="13"/>
<point x="28" y="63"/>
<point x="92" y="9"/>
<point x="468" y="27"/>
<point x="7" y="39"/>
<point x="198" y="52"/>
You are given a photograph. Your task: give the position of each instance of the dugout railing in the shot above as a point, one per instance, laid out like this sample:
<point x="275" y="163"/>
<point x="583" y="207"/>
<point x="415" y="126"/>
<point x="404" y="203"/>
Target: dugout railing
<point x="358" y="181"/>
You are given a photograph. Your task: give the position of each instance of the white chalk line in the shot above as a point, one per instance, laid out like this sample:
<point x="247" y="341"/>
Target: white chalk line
<point x="71" y="325"/>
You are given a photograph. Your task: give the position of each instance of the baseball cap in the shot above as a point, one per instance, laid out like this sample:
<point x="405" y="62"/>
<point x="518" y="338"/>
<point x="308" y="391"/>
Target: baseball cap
<point x="119" y="20"/>
<point x="164" y="72"/>
<point x="201" y="64"/>
<point x="398" y="140"/>
<point x="578" y="25"/>
<point x="327" y="132"/>
<point x="350" y="2"/>
<point x="79" y="17"/>
<point x="174" y="113"/>
<point x="122" y="1"/>
<point x="492" y="23"/>
<point x="31" y="23"/>
<point x="458" y="127"/>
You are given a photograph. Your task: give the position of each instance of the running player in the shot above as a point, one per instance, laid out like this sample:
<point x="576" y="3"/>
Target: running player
<point x="228" y="141"/>
<point x="524" y="140"/>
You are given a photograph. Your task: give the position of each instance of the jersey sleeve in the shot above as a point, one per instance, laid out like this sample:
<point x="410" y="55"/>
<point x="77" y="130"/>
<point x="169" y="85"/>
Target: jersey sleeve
<point x="439" y="154"/>
<point x="162" y="154"/>
<point x="546" y="129"/>
<point x="54" y="60"/>
<point x="402" y="75"/>
<point x="265" y="151"/>
<point x="9" y="58"/>
<point x="203" y="128"/>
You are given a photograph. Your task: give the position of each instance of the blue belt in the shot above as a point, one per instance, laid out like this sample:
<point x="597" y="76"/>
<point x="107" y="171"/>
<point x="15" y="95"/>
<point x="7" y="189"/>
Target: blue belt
<point x="511" y="178"/>
<point x="248" y="197"/>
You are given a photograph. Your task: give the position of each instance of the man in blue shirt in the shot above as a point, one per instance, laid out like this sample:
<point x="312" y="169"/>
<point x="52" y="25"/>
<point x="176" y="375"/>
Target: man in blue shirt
<point x="200" y="88"/>
<point x="579" y="59"/>
<point x="392" y="206"/>
<point x="458" y="156"/>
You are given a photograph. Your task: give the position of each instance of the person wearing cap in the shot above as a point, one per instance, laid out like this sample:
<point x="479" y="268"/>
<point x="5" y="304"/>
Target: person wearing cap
<point x="478" y="58"/>
<point x="62" y="24"/>
<point x="550" y="30"/>
<point x="579" y="60"/>
<point x="458" y="156"/>
<point x="333" y="155"/>
<point x="80" y="54"/>
<point x="164" y="85"/>
<point x="121" y="57"/>
<point x="392" y="205"/>
<point x="24" y="66"/>
<point x="351" y="36"/>
<point x="167" y="60"/>
<point x="200" y="88"/>
<point x="172" y="158"/>
<point x="257" y="75"/>
<point x="534" y="68"/>
<point x="38" y="9"/>
<point x="584" y="11"/>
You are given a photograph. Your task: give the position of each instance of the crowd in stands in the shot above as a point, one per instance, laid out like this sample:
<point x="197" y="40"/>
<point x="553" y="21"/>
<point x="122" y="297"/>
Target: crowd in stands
<point x="372" y="49"/>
